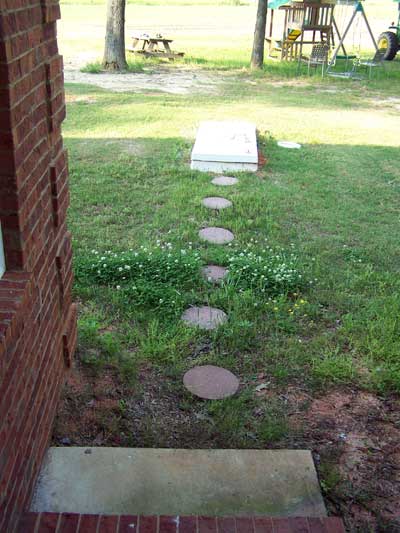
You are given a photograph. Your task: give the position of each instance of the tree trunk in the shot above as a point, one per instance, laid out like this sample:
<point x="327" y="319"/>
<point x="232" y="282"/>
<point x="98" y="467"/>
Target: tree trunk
<point x="257" y="55"/>
<point x="114" y="50"/>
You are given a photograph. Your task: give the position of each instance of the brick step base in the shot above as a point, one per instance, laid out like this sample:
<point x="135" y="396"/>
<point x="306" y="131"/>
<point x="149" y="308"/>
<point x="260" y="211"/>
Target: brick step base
<point x="86" y="523"/>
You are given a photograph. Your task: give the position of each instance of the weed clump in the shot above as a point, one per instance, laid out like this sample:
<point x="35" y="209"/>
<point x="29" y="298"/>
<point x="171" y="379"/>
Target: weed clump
<point x="156" y="278"/>
<point x="272" y="271"/>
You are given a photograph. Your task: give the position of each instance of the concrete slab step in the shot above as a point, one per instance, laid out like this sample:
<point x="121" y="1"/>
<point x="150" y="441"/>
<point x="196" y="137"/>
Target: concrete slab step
<point x="225" y="145"/>
<point x="276" y="483"/>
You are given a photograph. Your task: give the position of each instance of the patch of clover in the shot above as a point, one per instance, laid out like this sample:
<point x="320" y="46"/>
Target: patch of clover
<point x="264" y="269"/>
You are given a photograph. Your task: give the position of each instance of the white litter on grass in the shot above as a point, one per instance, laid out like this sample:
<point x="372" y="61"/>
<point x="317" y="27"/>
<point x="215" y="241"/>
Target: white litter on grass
<point x="289" y="144"/>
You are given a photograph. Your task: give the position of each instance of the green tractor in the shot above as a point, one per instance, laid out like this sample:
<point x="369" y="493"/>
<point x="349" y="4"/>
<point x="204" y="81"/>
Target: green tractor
<point x="390" y="40"/>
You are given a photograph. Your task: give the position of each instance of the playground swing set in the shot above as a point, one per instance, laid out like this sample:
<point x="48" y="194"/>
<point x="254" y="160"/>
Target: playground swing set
<point x="326" y="27"/>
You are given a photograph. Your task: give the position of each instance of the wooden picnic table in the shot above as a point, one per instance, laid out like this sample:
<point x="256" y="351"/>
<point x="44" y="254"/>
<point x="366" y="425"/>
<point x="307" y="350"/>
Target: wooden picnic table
<point x="153" y="47"/>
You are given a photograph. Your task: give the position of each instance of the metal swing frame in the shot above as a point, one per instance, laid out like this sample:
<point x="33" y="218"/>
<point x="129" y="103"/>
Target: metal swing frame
<point x="348" y="73"/>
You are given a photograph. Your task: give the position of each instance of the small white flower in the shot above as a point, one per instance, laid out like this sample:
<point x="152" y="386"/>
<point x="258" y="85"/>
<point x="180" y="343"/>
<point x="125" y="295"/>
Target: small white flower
<point x="118" y="287"/>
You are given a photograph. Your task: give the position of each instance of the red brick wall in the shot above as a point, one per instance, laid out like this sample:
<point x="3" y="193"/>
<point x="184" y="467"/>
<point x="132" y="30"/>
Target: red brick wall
<point x="37" y="318"/>
<point x="86" y="523"/>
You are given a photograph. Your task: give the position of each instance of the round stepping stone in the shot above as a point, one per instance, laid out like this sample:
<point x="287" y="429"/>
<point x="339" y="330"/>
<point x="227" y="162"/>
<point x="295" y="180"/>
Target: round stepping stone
<point x="289" y="144"/>
<point x="214" y="273"/>
<point x="224" y="180"/>
<point x="216" y="235"/>
<point x="215" y="202"/>
<point x="204" y="317"/>
<point x="211" y="382"/>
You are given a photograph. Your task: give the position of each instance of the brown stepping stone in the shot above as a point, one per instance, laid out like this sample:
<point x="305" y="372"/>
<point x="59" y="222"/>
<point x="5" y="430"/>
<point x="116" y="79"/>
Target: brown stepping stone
<point x="214" y="273"/>
<point x="216" y="235"/>
<point x="211" y="382"/>
<point x="224" y="180"/>
<point x="204" y="317"/>
<point x="215" y="202"/>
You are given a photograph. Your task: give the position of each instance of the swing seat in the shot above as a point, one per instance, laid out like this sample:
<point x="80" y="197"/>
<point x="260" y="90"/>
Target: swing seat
<point x="377" y="61"/>
<point x="347" y="58"/>
<point x="349" y="72"/>
<point x="345" y="75"/>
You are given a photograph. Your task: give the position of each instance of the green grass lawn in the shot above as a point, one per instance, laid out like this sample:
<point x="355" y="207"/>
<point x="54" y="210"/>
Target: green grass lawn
<point x="334" y="204"/>
<point x="213" y="34"/>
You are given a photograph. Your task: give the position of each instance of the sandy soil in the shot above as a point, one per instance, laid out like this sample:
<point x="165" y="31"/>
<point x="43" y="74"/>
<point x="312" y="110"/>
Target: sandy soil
<point x="163" y="79"/>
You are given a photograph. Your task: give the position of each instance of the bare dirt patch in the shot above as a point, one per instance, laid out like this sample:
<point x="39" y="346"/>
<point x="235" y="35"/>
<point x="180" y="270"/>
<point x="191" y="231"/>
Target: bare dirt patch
<point x="76" y="99"/>
<point x="354" y="435"/>
<point x="102" y="410"/>
<point x="162" y="79"/>
<point x="388" y="102"/>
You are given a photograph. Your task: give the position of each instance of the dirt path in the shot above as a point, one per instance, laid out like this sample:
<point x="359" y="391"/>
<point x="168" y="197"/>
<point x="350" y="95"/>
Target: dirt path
<point x="163" y="79"/>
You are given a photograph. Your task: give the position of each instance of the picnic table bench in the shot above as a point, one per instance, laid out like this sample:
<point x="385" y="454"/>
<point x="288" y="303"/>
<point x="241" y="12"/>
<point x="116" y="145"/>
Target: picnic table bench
<point x="157" y="46"/>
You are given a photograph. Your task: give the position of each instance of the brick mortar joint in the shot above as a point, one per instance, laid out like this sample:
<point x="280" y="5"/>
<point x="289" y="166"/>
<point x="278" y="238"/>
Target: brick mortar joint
<point x="25" y="96"/>
<point x="17" y="10"/>
<point x="162" y="524"/>
<point x="19" y="298"/>
<point x="6" y="38"/>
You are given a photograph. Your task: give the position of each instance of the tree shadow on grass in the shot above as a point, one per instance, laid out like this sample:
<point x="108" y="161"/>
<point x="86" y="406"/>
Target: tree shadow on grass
<point x="322" y="196"/>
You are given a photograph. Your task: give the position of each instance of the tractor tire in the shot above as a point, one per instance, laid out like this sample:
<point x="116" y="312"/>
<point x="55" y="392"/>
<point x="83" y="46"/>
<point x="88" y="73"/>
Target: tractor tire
<point x="388" y="41"/>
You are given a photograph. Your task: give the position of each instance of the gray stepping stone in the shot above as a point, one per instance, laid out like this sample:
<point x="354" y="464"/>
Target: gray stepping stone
<point x="215" y="202"/>
<point x="204" y="317"/>
<point x="216" y="235"/>
<point x="224" y="180"/>
<point x="214" y="273"/>
<point x="211" y="382"/>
